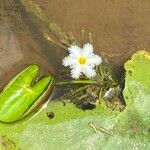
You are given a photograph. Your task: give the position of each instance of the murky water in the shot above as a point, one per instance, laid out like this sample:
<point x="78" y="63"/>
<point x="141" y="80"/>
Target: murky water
<point x="21" y="43"/>
<point x="118" y="29"/>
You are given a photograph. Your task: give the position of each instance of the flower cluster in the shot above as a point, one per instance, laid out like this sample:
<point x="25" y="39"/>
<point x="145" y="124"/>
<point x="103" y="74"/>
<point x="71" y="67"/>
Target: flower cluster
<point x="82" y="61"/>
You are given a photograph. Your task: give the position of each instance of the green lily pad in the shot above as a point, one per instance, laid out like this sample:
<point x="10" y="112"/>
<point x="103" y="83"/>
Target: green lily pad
<point x="137" y="85"/>
<point x="21" y="94"/>
<point x="96" y="129"/>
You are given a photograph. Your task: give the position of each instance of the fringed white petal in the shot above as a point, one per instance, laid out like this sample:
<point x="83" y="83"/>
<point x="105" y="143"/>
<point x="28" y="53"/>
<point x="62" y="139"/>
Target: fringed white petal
<point x="68" y="61"/>
<point x="94" y="60"/>
<point x="87" y="49"/>
<point x="77" y="67"/>
<point x="89" y="71"/>
<point x="74" y="50"/>
<point x="76" y="72"/>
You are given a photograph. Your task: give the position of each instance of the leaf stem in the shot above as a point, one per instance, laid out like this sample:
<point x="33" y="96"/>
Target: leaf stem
<point x="94" y="82"/>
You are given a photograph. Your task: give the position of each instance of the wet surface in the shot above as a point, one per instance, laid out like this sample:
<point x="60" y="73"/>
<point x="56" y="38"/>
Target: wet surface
<point x="118" y="28"/>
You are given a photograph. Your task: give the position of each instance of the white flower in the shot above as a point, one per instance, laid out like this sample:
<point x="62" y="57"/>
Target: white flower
<point x="82" y="61"/>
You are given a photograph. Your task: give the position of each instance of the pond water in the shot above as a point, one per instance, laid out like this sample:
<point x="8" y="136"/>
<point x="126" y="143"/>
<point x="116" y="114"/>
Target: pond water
<point x="118" y="29"/>
<point x="21" y="44"/>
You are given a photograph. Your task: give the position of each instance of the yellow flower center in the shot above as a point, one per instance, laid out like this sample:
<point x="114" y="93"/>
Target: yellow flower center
<point x="82" y="60"/>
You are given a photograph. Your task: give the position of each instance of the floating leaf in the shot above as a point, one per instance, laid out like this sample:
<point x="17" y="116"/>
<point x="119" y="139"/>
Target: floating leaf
<point x="137" y="85"/>
<point x="22" y="93"/>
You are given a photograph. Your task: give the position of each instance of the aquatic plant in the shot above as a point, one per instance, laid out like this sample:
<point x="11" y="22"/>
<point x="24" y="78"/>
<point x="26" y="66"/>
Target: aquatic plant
<point x="100" y="128"/>
<point x="82" y="61"/>
<point x="23" y="93"/>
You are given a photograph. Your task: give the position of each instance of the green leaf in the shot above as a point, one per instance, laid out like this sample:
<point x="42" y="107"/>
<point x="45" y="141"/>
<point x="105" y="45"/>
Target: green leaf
<point x="137" y="85"/>
<point x="72" y="128"/>
<point x="22" y="93"/>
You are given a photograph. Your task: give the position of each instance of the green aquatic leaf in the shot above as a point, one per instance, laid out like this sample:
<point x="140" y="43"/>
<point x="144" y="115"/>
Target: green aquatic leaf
<point x="137" y="85"/>
<point x="96" y="129"/>
<point x="71" y="129"/>
<point x="22" y="93"/>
